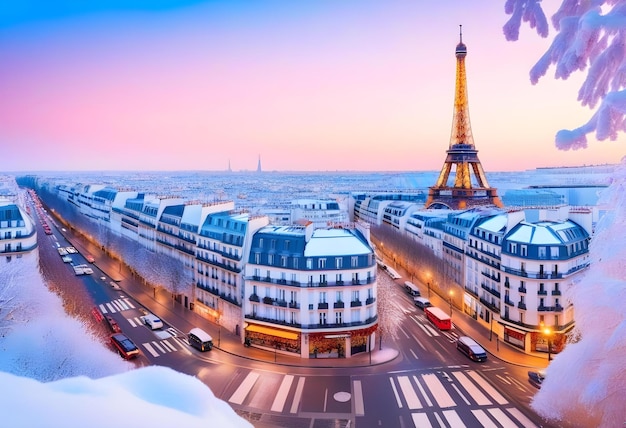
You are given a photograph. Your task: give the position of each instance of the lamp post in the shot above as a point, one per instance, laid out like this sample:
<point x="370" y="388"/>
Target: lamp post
<point x="548" y="333"/>
<point x="450" y="294"/>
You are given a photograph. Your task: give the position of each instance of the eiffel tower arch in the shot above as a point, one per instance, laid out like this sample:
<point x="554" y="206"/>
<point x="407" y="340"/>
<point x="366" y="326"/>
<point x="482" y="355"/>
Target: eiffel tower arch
<point x="470" y="187"/>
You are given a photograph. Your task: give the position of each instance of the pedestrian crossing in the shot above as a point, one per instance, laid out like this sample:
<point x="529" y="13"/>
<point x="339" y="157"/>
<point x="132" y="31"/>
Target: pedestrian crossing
<point x="422" y="322"/>
<point x="456" y="398"/>
<point x="443" y="399"/>
<point x="161" y="347"/>
<point x="117" y="305"/>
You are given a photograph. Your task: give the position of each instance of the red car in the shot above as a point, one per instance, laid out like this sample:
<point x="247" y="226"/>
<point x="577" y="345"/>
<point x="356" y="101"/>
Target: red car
<point x="113" y="325"/>
<point x="89" y="258"/>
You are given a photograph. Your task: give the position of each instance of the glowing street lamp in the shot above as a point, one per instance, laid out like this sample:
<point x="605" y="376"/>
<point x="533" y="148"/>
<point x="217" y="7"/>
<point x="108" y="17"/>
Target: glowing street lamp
<point x="548" y="333"/>
<point x="450" y="294"/>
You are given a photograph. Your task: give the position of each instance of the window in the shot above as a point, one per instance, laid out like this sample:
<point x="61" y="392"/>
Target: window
<point x="554" y="252"/>
<point x="309" y="263"/>
<point x="323" y="297"/>
<point x="261" y="242"/>
<point x="257" y="258"/>
<point x="541" y="252"/>
<point x="338" y="278"/>
<point x="524" y="250"/>
<point x="541" y="320"/>
<point x="339" y="296"/>
<point x="338" y="317"/>
<point x="287" y="244"/>
<point x="338" y="262"/>
<point x="257" y="272"/>
<point x="283" y="261"/>
<point x="323" y="279"/>
<point x="273" y="244"/>
<point x="321" y="263"/>
<point x="270" y="259"/>
<point x="322" y="318"/>
<point x="293" y="296"/>
<point x="355" y="296"/>
<point x="295" y="263"/>
<point x="354" y="261"/>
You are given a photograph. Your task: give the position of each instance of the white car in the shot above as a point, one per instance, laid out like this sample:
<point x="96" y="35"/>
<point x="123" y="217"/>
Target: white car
<point x="62" y="251"/>
<point x="66" y="259"/>
<point x="71" y="250"/>
<point x="78" y="270"/>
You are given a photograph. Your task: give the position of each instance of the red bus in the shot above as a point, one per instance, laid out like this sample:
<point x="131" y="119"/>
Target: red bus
<point x="438" y="317"/>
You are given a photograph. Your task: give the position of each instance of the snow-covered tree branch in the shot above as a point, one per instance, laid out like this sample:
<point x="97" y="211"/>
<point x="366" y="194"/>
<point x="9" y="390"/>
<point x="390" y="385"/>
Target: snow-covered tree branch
<point x="591" y="35"/>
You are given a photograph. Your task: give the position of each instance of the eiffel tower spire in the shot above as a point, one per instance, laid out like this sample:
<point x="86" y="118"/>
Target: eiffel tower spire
<point x="470" y="183"/>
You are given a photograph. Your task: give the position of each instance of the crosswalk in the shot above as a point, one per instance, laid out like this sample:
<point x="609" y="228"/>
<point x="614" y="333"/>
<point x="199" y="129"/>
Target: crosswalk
<point x="422" y="322"/>
<point x="164" y="346"/>
<point x="117" y="305"/>
<point x="456" y="398"/>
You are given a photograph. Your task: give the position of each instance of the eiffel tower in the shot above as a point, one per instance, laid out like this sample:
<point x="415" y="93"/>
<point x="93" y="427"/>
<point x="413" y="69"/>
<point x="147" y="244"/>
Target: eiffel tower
<point x="468" y="190"/>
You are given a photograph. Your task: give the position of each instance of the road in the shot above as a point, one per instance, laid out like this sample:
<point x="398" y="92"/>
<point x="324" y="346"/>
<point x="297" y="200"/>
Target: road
<point x="429" y="383"/>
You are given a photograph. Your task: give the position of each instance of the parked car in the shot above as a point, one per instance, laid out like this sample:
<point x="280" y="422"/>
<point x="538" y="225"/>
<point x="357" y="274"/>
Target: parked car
<point x="124" y="346"/>
<point x="66" y="259"/>
<point x="536" y="378"/>
<point x="89" y="258"/>
<point x="71" y="250"/>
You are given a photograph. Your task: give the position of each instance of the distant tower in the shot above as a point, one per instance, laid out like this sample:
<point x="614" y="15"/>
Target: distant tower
<point x="258" y="167"/>
<point x="462" y="155"/>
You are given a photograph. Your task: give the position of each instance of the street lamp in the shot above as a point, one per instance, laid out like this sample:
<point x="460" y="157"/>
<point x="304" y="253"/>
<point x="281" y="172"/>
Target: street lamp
<point x="450" y="294"/>
<point x="548" y="333"/>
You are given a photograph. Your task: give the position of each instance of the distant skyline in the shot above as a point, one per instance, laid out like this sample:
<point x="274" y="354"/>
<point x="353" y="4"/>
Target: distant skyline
<point x="304" y="86"/>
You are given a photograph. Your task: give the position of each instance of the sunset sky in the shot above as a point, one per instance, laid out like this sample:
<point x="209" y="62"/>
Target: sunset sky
<point x="306" y="85"/>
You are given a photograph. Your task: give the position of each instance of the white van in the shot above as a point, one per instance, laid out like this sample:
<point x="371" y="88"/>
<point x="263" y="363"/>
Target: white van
<point x="200" y="339"/>
<point x="152" y="321"/>
<point x="422" y="302"/>
<point x="471" y="349"/>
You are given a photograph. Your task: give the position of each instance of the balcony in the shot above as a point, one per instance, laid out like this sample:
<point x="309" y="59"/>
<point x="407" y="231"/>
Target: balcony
<point x="370" y="300"/>
<point x="322" y="305"/>
<point x="294" y="305"/>
<point x="490" y="305"/>
<point x="338" y="305"/>
<point x="268" y="300"/>
<point x="556" y="292"/>
<point x="521" y="305"/>
<point x="507" y="284"/>
<point x="356" y="304"/>
<point x="472" y="291"/>
<point x="542" y="292"/>
<point x="508" y="301"/>
<point x="522" y="289"/>
<point x="254" y="298"/>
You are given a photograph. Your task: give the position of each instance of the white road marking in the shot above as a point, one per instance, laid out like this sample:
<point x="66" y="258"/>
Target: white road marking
<point x="488" y="388"/>
<point x="412" y="401"/>
<point x="502" y="418"/>
<point x="359" y="406"/>
<point x="169" y="345"/>
<point x="131" y="322"/>
<point x="395" y="392"/>
<point x="521" y="417"/>
<point x="474" y="392"/>
<point x="111" y="308"/>
<point x="442" y="397"/>
<point x="129" y="303"/>
<point x="423" y="392"/>
<point x="244" y="388"/>
<point x="484" y="420"/>
<point x="150" y="349"/>
<point x="156" y="344"/>
<point x="453" y="419"/>
<point x="103" y="309"/>
<point x="456" y="388"/>
<point x="298" y="396"/>
<point x="281" y="396"/>
<point x="420" y="420"/>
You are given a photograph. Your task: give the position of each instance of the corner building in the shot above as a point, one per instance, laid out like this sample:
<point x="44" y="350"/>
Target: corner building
<point x="311" y="292"/>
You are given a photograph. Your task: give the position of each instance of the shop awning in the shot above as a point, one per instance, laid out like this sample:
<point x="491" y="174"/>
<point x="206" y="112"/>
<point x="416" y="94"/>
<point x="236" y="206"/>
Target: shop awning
<point x="272" y="331"/>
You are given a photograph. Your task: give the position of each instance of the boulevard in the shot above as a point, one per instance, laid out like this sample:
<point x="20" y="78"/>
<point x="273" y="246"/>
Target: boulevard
<point x="418" y="380"/>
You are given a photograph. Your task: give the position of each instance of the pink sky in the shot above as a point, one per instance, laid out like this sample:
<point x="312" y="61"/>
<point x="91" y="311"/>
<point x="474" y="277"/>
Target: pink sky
<point x="307" y="86"/>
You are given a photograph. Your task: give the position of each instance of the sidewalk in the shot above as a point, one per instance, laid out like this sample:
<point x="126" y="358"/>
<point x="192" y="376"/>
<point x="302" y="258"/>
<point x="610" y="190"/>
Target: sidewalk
<point x="184" y="319"/>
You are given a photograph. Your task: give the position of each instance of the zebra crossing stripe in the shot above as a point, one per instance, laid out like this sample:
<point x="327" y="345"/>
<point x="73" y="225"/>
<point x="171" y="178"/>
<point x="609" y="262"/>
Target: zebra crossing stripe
<point x="297" y="396"/>
<point x="490" y="390"/>
<point x="423" y="392"/>
<point x="517" y="414"/>
<point x="129" y="303"/>
<point x="150" y="349"/>
<point x="117" y="305"/>
<point x="395" y="392"/>
<point x="484" y="420"/>
<point x="359" y="406"/>
<point x="156" y="344"/>
<point x="453" y="419"/>
<point x="169" y="345"/>
<point x="111" y="308"/>
<point x="502" y="418"/>
<point x="244" y="388"/>
<point x="103" y="309"/>
<point x="281" y="396"/>
<point x="474" y="392"/>
<point x="123" y="304"/>
<point x="412" y="401"/>
<point x="420" y="420"/>
<point x="438" y="391"/>
<point x="131" y="322"/>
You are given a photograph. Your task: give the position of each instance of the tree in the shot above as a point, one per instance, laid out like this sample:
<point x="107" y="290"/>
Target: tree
<point x="390" y="316"/>
<point x="590" y="35"/>
<point x="585" y="383"/>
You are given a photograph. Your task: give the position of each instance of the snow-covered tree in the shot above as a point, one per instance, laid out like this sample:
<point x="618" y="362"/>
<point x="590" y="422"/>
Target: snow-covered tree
<point x="586" y="383"/>
<point x="591" y="35"/>
<point x="390" y="316"/>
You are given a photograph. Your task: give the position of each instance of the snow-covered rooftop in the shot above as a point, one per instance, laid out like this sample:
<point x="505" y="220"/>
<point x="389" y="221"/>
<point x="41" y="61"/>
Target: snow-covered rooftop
<point x="335" y="242"/>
